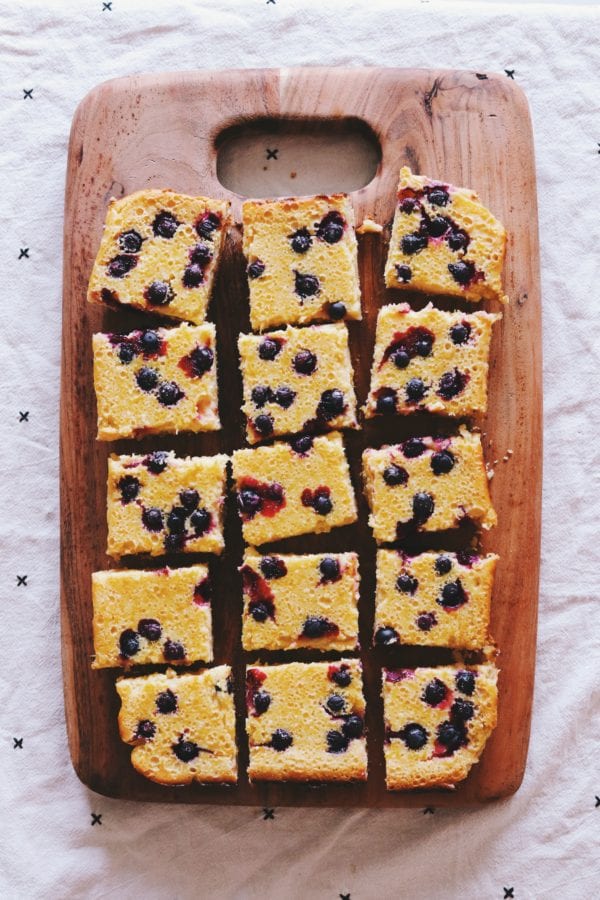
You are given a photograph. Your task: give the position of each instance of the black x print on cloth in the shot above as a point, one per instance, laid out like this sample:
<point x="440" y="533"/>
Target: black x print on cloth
<point x="18" y="743"/>
<point x="597" y="802"/>
<point x="508" y="892"/>
<point x="107" y="6"/>
<point x="27" y="94"/>
<point x="96" y="819"/>
<point x="272" y="2"/>
<point x="24" y="416"/>
<point x="428" y="810"/>
<point x="344" y="896"/>
<point x="510" y="73"/>
<point x="21" y="580"/>
<point x="24" y="253"/>
<point x="598" y="148"/>
<point x="268" y="813"/>
<point x="272" y="154"/>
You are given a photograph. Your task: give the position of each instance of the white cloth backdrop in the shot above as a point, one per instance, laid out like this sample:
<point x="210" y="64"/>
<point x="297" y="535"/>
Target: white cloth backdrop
<point x="541" y="843"/>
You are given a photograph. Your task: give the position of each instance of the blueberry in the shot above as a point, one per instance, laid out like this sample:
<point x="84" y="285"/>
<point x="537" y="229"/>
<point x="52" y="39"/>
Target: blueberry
<point x="353" y="727"/>
<point x="404" y="274"/>
<point x="408" y="205"/>
<point x="337" y="742"/>
<point x="150" y="341"/>
<point x="300" y="240"/>
<point x="129" y="643"/>
<point x="329" y="568"/>
<point x="121" y="265"/>
<point x="466" y="557"/>
<point x="385" y="636"/>
<point x="165" y="225"/>
<point x="331" y="228"/>
<point x="156" y="462"/>
<point x="268" y="348"/>
<point x="189" y="498"/>
<point x="413" y="243"/>
<point x="146" y="378"/>
<point x="304" y="362"/>
<point x="438" y="196"/>
<point x="306" y="285"/>
<point x="166" y="702"/>
<point x="284" y="397"/>
<point x="342" y="677"/>
<point x="174" y="543"/>
<point x="169" y="393"/>
<point x="462" y="271"/>
<point x="423" y="506"/>
<point x="200" y="520"/>
<point x="414" y="736"/>
<point x="386" y="401"/>
<point x="273" y="567"/>
<point x="463" y="710"/>
<point x="451" y="736"/>
<point x="274" y="491"/>
<point x="401" y="358"/>
<point x="415" y="390"/>
<point x="395" y="475"/>
<point x="130" y="241"/>
<point x="185" y="751"/>
<point x="443" y="564"/>
<point x="438" y="226"/>
<point x="458" y="239"/>
<point x="193" y="276"/>
<point x="261" y="701"/>
<point x="260" y="395"/>
<point x="173" y="650"/>
<point x="442" y="462"/>
<point x="465" y="682"/>
<point x="460" y="333"/>
<point x="424" y="344"/>
<point x="435" y="692"/>
<point x="249" y="502"/>
<point x="281" y="739"/>
<point x="152" y="519"/>
<point x="159" y="293"/>
<point x="202" y="359"/>
<point x="264" y="424"/>
<point x="129" y="487"/>
<point x="335" y="703"/>
<point x="406" y="584"/>
<point x="426" y="621"/>
<point x="207" y="224"/>
<point x="413" y="447"/>
<point x="337" y="310"/>
<point x="322" y="504"/>
<point x="260" y="612"/>
<point x="451" y="384"/>
<point x="176" y="520"/>
<point x="331" y="405"/>
<point x="145" y="730"/>
<point x="201" y="254"/>
<point x="149" y="629"/>
<point x="255" y="269"/>
<point x="316" y="627"/>
<point x="453" y="595"/>
<point x="126" y="352"/>
<point x="302" y="444"/>
<point x="110" y="297"/>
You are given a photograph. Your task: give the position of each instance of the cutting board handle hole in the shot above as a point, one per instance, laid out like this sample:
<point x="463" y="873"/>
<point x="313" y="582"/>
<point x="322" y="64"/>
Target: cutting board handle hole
<point x="281" y="157"/>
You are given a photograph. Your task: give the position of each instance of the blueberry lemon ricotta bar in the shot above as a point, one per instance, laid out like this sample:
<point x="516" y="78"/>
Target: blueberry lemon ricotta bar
<point x="427" y="484"/>
<point x="297" y="379"/>
<point x="430" y="360"/>
<point x="444" y="241"/>
<point x="302" y="260"/>
<point x="437" y="722"/>
<point x="159" y="253"/>
<point x="157" y="380"/>
<point x="161" y="503"/>
<point x="305" y="722"/>
<point x="158" y="616"/>
<point x="434" y="599"/>
<point x="181" y="727"/>
<point x="295" y="601"/>
<point x="297" y="488"/>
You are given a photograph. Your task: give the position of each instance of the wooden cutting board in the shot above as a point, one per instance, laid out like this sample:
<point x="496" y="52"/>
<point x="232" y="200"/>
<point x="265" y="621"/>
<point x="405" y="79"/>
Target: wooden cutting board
<point x="162" y="131"/>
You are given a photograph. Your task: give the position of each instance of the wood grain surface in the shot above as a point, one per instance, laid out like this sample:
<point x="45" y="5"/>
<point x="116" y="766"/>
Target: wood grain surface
<point x="162" y="131"/>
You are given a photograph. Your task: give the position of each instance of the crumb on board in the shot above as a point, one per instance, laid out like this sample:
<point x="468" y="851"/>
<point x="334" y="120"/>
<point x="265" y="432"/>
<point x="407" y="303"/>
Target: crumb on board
<point x="293" y="174"/>
<point x="369" y="227"/>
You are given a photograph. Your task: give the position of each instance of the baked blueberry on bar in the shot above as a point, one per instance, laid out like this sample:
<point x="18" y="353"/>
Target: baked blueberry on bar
<point x="444" y="241"/>
<point x="157" y="380"/>
<point x="182" y="727"/>
<point x="159" y="252"/>
<point x="297" y="379"/>
<point x="302" y="260"/>
<point x="297" y="488"/>
<point x="159" y="616"/>
<point x="305" y="722"/>
<point x="300" y="601"/>
<point x="160" y="503"/>
<point x="434" y="599"/>
<point x="430" y="360"/>
<point x="426" y="484"/>
<point x="437" y="722"/>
